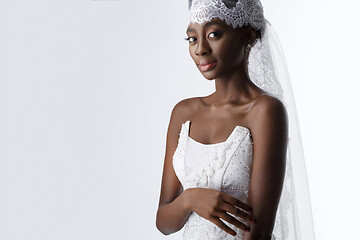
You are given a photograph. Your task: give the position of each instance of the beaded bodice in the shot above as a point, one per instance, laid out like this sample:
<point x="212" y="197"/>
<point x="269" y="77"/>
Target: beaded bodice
<point x="224" y="166"/>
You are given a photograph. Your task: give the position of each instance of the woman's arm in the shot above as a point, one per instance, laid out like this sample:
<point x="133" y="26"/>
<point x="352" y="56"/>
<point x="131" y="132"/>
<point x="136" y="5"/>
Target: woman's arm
<point x="269" y="128"/>
<point x="172" y="211"/>
<point x="172" y="216"/>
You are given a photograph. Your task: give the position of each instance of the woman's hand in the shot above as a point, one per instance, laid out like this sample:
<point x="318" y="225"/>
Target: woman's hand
<point x="213" y="204"/>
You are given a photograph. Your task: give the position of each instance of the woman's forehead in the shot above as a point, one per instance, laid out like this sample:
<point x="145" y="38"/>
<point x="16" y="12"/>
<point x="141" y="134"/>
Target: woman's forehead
<point x="214" y="21"/>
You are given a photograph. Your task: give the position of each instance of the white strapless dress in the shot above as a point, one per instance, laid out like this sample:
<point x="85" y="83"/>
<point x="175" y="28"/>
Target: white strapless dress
<point x="224" y="166"/>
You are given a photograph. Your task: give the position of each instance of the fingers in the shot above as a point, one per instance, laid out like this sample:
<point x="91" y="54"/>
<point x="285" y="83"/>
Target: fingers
<point x="222" y="225"/>
<point x="233" y="220"/>
<point x="236" y="211"/>
<point x="234" y="201"/>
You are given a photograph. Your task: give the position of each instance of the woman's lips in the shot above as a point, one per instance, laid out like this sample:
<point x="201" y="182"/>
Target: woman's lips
<point x="207" y="67"/>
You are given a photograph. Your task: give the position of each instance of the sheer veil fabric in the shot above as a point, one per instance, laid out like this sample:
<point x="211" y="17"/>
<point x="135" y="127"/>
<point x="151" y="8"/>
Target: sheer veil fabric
<point x="268" y="70"/>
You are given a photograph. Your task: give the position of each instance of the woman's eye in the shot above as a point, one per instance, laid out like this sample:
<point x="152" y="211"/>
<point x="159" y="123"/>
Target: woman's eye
<point x="190" y="39"/>
<point x="193" y="39"/>
<point x="213" y="33"/>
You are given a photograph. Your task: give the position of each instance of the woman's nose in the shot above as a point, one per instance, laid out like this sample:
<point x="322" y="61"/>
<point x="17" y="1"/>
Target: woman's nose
<point x="202" y="47"/>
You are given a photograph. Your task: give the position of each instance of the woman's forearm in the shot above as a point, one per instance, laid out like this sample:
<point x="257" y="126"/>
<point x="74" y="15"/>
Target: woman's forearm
<point x="172" y="216"/>
<point x="258" y="232"/>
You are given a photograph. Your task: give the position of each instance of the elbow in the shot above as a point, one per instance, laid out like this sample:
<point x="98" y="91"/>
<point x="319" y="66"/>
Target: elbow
<point x="166" y="230"/>
<point x="161" y="229"/>
<point x="159" y="226"/>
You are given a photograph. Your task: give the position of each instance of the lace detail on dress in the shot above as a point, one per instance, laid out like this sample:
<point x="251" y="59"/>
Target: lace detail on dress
<point x="223" y="166"/>
<point x="243" y="13"/>
<point x="215" y="158"/>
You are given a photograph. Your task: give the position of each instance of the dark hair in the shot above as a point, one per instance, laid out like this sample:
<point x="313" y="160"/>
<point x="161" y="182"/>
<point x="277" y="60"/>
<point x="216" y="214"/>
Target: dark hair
<point x="258" y="34"/>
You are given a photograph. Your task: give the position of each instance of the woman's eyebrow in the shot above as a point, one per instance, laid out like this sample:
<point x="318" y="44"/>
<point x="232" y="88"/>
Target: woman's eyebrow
<point x="208" y="24"/>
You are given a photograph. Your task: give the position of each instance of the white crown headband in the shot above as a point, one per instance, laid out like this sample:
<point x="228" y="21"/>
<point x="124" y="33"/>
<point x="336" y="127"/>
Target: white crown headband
<point x="236" y="13"/>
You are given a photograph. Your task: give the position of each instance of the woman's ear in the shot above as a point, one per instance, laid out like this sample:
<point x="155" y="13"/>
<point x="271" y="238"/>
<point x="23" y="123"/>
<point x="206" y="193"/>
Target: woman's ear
<point x="251" y="33"/>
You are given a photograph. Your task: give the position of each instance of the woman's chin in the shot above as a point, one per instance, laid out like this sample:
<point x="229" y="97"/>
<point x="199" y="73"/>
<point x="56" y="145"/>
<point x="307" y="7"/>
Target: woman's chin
<point x="209" y="78"/>
<point x="209" y="75"/>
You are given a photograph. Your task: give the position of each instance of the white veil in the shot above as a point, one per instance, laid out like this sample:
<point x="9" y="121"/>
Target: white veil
<point x="268" y="70"/>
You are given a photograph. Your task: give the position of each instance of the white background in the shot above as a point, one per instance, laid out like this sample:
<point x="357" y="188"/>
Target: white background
<point x="86" y="92"/>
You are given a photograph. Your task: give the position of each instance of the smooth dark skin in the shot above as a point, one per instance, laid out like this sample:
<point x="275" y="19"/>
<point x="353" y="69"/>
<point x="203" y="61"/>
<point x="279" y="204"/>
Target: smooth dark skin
<point x="236" y="101"/>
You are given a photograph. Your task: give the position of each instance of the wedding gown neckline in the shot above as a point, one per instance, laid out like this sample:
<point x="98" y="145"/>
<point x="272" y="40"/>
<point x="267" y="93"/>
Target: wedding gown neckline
<point x="214" y="144"/>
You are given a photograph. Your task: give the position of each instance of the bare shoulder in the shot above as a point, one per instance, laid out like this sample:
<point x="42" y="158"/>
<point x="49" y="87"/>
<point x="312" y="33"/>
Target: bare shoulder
<point x="181" y="112"/>
<point x="184" y="109"/>
<point x="267" y="105"/>
<point x="268" y="111"/>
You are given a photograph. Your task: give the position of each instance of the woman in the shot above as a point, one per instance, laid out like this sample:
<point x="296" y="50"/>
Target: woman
<point x="226" y="153"/>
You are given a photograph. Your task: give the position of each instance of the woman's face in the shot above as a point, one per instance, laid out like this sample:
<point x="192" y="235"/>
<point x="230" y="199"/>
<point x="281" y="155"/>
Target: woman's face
<point x="216" y="47"/>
